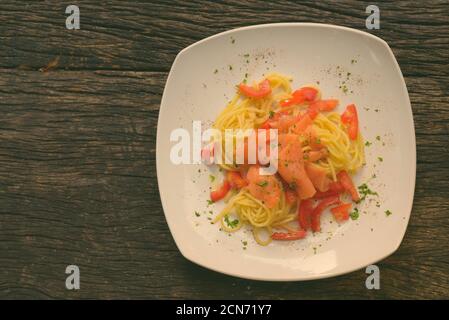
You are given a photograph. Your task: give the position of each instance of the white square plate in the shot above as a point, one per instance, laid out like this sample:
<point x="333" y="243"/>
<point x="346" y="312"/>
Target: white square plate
<point x="350" y="65"/>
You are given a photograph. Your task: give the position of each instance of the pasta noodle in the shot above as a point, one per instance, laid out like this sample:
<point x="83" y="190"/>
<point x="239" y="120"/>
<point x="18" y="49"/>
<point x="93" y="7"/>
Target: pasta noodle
<point x="244" y="112"/>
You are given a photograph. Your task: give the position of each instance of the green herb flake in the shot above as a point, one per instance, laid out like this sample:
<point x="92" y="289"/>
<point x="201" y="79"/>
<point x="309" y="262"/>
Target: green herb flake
<point x="354" y="214"/>
<point x="367" y="143"/>
<point x="263" y="183"/>
<point x="230" y="67"/>
<point x="232" y="224"/>
<point x="271" y="114"/>
<point x="209" y="202"/>
<point x="211" y="178"/>
<point x="388" y="212"/>
<point x="365" y="191"/>
<point x="245" y="243"/>
<point x="216" y="71"/>
<point x="378" y="138"/>
<point x="197" y="213"/>
<point x="380" y="159"/>
<point x="246" y="55"/>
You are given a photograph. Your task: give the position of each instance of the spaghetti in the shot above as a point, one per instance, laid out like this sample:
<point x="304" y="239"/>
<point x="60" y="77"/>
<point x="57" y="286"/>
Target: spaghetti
<point x="318" y="149"/>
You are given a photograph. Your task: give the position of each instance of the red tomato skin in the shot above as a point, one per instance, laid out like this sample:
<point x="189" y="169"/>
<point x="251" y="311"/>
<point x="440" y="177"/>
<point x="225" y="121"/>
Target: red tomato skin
<point x="316" y="214"/>
<point x="235" y="180"/>
<point x="304" y="213"/>
<point x="290" y="196"/>
<point x="341" y="212"/>
<point x="221" y="192"/>
<point x="263" y="90"/>
<point x="300" y="234"/>
<point x="351" y="119"/>
<point x="346" y="181"/>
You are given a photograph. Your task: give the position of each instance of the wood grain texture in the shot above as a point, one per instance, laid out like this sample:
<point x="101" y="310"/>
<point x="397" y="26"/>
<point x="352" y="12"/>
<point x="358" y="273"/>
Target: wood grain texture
<point x="77" y="148"/>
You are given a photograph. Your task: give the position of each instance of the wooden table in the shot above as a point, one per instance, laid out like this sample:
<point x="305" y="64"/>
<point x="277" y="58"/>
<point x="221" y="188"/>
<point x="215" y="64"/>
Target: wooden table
<point x="77" y="148"/>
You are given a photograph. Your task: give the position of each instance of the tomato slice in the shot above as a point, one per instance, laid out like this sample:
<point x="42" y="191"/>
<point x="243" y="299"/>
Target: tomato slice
<point x="207" y="154"/>
<point x="300" y="96"/>
<point x="300" y="234"/>
<point x="341" y="212"/>
<point x="321" y="105"/>
<point x="335" y="188"/>
<point x="351" y="119"/>
<point x="265" y="125"/>
<point x="346" y="181"/>
<point x="221" y="192"/>
<point x="316" y="214"/>
<point x="235" y="180"/>
<point x="290" y="196"/>
<point x="304" y="213"/>
<point x="263" y="90"/>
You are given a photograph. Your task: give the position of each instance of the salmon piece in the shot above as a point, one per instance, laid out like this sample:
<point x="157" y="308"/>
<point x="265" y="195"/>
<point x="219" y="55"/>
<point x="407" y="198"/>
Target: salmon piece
<point x="318" y="177"/>
<point x="291" y="169"/>
<point x="286" y="138"/>
<point x="302" y="124"/>
<point x="316" y="155"/>
<point x="313" y="140"/>
<point x="264" y="188"/>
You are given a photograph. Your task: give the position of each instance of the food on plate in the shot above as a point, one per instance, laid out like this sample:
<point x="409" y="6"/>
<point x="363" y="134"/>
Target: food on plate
<point x="318" y="150"/>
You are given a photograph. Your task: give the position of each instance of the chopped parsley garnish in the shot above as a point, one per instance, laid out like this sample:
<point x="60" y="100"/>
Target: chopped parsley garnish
<point x="245" y="243"/>
<point x="211" y="178"/>
<point x="209" y="202"/>
<point x="367" y="143"/>
<point x="216" y="71"/>
<point x="246" y="55"/>
<point x="318" y="141"/>
<point x="388" y="212"/>
<point x="292" y="185"/>
<point x="232" y="40"/>
<point x="354" y="214"/>
<point x="263" y="183"/>
<point x="232" y="224"/>
<point x="365" y="191"/>
<point x="197" y="213"/>
<point x="271" y="114"/>
<point x="230" y="67"/>
<point x="378" y="138"/>
<point x="380" y="159"/>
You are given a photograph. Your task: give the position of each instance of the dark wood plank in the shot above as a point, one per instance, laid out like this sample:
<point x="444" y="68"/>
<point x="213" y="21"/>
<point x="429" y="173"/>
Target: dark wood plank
<point x="77" y="148"/>
<point x="147" y="35"/>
